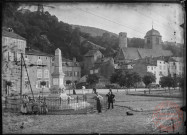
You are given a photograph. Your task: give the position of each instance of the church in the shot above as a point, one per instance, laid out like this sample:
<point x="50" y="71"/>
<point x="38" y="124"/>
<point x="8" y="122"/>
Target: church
<point x="152" y="48"/>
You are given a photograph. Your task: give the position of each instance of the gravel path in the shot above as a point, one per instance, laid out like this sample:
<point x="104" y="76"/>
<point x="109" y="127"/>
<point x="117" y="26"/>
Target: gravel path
<point x="111" y="121"/>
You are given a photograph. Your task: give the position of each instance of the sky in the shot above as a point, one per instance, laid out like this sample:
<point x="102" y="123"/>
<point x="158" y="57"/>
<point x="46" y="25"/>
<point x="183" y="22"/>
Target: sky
<point x="134" y="19"/>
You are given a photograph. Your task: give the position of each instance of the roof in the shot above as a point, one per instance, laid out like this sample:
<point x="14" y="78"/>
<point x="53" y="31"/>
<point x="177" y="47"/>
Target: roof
<point x="103" y="60"/>
<point x="36" y="52"/>
<point x="177" y="59"/>
<point x="96" y="46"/>
<point x="152" y="32"/>
<point x="6" y="33"/>
<point x="138" y="53"/>
<point x="92" y="52"/>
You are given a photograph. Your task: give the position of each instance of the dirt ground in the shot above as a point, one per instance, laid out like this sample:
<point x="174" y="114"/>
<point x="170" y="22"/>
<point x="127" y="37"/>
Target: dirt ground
<point x="111" y="121"/>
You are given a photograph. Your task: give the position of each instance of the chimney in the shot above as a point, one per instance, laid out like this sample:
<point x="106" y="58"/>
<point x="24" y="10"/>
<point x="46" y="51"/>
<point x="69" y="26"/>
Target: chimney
<point x="122" y="39"/>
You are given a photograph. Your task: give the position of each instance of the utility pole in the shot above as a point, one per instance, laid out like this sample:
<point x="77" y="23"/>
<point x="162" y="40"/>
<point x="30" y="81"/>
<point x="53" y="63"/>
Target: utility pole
<point x="21" y="79"/>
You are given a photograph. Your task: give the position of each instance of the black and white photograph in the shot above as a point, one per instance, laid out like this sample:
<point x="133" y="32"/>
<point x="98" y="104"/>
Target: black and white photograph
<point x="93" y="68"/>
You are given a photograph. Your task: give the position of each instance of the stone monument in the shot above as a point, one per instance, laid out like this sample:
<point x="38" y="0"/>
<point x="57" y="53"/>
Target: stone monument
<point x="58" y="89"/>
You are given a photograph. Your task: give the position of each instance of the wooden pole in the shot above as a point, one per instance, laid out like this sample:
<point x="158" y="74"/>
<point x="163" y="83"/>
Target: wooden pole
<point x="28" y="76"/>
<point x="21" y="79"/>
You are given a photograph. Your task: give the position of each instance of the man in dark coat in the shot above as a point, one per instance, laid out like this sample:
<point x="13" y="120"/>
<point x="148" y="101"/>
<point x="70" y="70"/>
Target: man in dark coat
<point x="110" y="96"/>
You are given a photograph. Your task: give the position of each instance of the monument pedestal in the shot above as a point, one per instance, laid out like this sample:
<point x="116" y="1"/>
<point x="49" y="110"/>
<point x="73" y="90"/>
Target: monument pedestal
<point x="58" y="88"/>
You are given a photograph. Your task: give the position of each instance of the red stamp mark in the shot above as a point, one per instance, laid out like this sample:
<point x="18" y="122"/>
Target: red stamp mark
<point x="167" y="116"/>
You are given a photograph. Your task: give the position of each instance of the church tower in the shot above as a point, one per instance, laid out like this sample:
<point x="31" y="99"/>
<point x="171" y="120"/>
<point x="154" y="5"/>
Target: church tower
<point x="122" y="39"/>
<point x="153" y="40"/>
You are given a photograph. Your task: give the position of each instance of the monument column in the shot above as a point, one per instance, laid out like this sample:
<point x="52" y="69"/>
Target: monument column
<point x="57" y="75"/>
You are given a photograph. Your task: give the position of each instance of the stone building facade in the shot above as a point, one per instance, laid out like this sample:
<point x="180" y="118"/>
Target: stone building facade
<point x="71" y="69"/>
<point x="159" y="66"/>
<point x="38" y="73"/>
<point x="90" y="58"/>
<point x="13" y="45"/>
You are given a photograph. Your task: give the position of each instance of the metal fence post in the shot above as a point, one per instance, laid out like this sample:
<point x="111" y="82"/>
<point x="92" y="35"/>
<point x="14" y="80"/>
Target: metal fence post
<point x="68" y="100"/>
<point x="85" y="98"/>
<point x="77" y="99"/>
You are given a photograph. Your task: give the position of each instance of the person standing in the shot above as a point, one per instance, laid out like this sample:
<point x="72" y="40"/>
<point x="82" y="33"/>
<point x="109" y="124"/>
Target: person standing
<point x="110" y="96"/>
<point x="94" y="90"/>
<point x="98" y="98"/>
<point x="83" y="93"/>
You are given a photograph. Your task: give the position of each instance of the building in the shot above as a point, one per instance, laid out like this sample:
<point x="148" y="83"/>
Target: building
<point x="13" y="46"/>
<point x="176" y="66"/>
<point x="152" y="48"/>
<point x="104" y="67"/>
<point x="159" y="66"/>
<point x="72" y="70"/>
<point x="90" y="58"/>
<point x="43" y="69"/>
<point x="38" y="73"/>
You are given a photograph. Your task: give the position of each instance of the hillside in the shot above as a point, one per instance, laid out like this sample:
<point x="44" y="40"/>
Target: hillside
<point x="93" y="31"/>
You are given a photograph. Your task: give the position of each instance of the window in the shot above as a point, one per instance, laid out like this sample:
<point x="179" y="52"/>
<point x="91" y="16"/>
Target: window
<point x="96" y="71"/>
<point x="148" y="41"/>
<point x="76" y="73"/>
<point x="38" y="85"/>
<point x="39" y="73"/>
<point x="164" y="67"/>
<point x="46" y="73"/>
<point x="39" y="62"/>
<point x="47" y="84"/>
<point x="18" y="56"/>
<point x="46" y="58"/>
<point x="151" y="68"/>
<point x="160" y="67"/>
<point x="91" y="71"/>
<point x="160" y="73"/>
<point x="70" y="73"/>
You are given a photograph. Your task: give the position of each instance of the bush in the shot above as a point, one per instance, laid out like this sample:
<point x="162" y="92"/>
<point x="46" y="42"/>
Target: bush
<point x="100" y="86"/>
<point x="112" y="86"/>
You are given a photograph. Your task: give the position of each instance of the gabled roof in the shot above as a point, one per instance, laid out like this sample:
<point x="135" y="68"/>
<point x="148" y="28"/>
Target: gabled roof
<point x="6" y="33"/>
<point x="139" y="53"/>
<point x="36" y="52"/>
<point x="103" y="60"/>
<point x="154" y="53"/>
<point x="130" y="53"/>
<point x="177" y="59"/>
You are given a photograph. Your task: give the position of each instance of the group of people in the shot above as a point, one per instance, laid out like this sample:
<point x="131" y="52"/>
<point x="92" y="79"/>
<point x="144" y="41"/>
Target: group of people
<point x="110" y="96"/>
<point x="30" y="106"/>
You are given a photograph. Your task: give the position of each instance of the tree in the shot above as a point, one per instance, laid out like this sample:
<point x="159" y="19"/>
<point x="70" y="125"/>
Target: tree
<point x="92" y="79"/>
<point x="181" y="82"/>
<point x="116" y="76"/>
<point x="68" y="82"/>
<point x="135" y="78"/>
<point x="163" y="81"/>
<point x="43" y="83"/>
<point x="148" y="79"/>
<point x="167" y="81"/>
